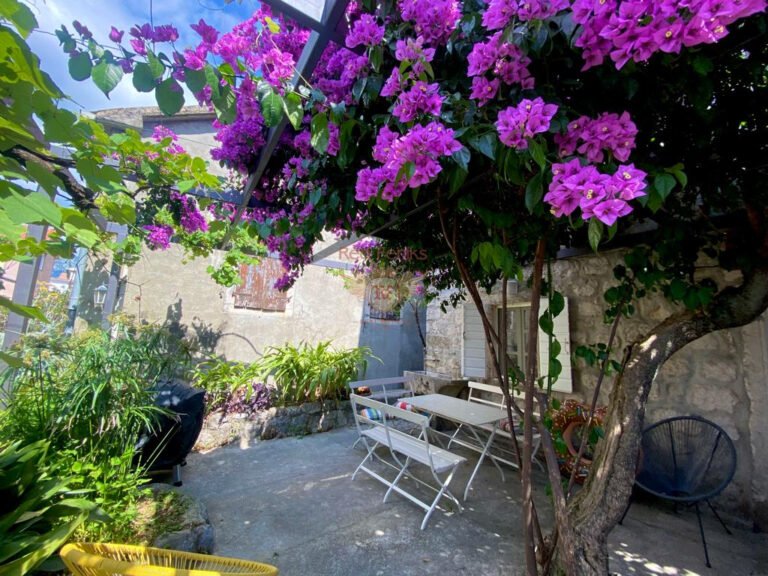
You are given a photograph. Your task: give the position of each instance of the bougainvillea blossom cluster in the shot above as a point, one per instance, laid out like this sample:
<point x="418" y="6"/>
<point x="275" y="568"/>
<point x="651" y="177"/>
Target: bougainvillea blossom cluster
<point x="365" y="32"/>
<point x="422" y="98"/>
<point x="517" y="124"/>
<point x="602" y="196"/>
<point x="636" y="29"/>
<point x="592" y="136"/>
<point x="500" y="13"/>
<point x="160" y="133"/>
<point x="159" y="236"/>
<point x="420" y="148"/>
<point x="433" y="20"/>
<point x="419" y="103"/>
<point x="504" y="60"/>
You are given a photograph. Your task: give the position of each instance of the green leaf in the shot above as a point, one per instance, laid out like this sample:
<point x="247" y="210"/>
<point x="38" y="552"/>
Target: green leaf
<point x="186" y="185"/>
<point x="19" y="15"/>
<point x="212" y="80"/>
<point x="26" y="311"/>
<point x="80" y="66"/>
<point x="664" y="183"/>
<point x="556" y="304"/>
<point x="143" y="80"/>
<point x="26" y="66"/>
<point x="546" y="323"/>
<point x="106" y="76"/>
<point x="170" y="97"/>
<point x="702" y="65"/>
<point x="118" y="208"/>
<point x="462" y="157"/>
<point x="293" y="109"/>
<point x="224" y="106"/>
<point x="595" y="233"/>
<point x="358" y="88"/>
<point x="58" y="125"/>
<point x="534" y="192"/>
<point x="485" y="144"/>
<point x="377" y="57"/>
<point x="32" y="208"/>
<point x="538" y="152"/>
<point x="273" y="26"/>
<point x="155" y="66"/>
<point x="677" y="289"/>
<point x="12" y="361"/>
<point x="195" y="80"/>
<point x="456" y="178"/>
<point x="320" y="134"/>
<point x="679" y="174"/>
<point x="272" y="108"/>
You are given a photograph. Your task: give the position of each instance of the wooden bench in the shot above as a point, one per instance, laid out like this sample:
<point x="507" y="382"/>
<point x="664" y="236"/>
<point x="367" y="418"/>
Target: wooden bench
<point x="491" y="395"/>
<point x="388" y="390"/>
<point x="404" y="449"/>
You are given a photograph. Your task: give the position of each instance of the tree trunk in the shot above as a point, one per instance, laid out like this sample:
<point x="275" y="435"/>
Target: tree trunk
<point x="599" y="506"/>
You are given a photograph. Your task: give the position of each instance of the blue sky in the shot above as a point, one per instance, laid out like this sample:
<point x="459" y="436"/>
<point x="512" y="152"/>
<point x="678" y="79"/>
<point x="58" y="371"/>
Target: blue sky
<point x="99" y="15"/>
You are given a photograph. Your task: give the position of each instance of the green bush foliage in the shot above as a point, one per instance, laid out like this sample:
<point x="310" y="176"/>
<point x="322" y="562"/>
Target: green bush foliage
<point x="38" y="511"/>
<point x="307" y="373"/>
<point x="90" y="397"/>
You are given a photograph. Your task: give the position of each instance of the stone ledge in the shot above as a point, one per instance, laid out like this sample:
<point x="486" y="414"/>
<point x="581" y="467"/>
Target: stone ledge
<point x="311" y="418"/>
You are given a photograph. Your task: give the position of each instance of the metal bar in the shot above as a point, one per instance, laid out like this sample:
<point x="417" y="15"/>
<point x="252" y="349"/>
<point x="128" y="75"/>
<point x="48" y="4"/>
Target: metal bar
<point x="310" y="56"/>
<point x="24" y="289"/>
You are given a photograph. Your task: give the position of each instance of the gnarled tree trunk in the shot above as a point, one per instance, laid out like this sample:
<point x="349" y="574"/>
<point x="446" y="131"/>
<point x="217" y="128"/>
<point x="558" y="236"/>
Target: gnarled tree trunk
<point x="594" y="512"/>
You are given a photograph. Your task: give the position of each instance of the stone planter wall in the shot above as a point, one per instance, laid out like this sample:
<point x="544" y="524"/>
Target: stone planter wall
<point x="310" y="418"/>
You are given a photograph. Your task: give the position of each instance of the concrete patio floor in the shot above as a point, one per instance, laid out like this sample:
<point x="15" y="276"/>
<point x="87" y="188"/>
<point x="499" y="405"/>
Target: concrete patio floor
<point x="292" y="503"/>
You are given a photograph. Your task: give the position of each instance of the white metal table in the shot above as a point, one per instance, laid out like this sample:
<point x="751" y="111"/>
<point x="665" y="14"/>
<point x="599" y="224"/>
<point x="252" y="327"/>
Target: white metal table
<point x="472" y="414"/>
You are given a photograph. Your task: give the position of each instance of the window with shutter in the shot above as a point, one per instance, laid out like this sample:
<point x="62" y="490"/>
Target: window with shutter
<point x="474" y="351"/>
<point x="257" y="288"/>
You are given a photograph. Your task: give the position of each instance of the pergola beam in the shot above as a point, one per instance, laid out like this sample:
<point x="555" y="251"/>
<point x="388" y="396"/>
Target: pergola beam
<point x="321" y="34"/>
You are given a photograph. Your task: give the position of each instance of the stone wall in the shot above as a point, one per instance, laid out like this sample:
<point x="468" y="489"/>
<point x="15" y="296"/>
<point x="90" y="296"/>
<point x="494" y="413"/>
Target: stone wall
<point x="722" y="377"/>
<point x="275" y="422"/>
<point x="163" y="289"/>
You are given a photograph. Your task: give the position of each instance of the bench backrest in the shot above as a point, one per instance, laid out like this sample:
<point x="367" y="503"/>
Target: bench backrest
<point x="394" y="385"/>
<point x="387" y="410"/>
<point x="490" y="395"/>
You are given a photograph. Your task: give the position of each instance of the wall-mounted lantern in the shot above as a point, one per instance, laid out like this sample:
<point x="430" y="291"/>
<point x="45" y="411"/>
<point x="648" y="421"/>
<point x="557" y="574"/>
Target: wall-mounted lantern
<point x="100" y="296"/>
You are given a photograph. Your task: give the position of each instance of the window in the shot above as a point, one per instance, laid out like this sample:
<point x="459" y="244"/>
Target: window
<point x="257" y="289"/>
<point x="381" y="300"/>
<point x="474" y="357"/>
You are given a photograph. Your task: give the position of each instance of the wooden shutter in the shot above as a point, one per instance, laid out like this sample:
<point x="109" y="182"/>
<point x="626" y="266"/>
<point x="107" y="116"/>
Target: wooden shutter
<point x="564" y="382"/>
<point x="473" y="343"/>
<point x="257" y="289"/>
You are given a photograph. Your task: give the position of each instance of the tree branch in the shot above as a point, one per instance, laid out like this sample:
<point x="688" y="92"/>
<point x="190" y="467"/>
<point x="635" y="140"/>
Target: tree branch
<point x="82" y="197"/>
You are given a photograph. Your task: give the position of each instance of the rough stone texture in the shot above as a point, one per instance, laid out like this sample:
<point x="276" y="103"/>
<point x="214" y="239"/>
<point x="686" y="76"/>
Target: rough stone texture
<point x="196" y="533"/>
<point x="301" y="420"/>
<point x="722" y="377"/>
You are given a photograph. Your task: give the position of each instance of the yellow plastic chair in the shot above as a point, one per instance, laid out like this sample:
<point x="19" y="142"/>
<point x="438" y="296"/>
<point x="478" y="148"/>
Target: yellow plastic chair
<point x="94" y="559"/>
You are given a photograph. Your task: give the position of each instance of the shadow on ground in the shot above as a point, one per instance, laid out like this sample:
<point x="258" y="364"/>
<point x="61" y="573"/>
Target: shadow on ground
<point x="292" y="503"/>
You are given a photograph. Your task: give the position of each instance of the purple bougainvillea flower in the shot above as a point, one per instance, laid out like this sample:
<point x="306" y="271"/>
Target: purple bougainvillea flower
<point x="116" y="35"/>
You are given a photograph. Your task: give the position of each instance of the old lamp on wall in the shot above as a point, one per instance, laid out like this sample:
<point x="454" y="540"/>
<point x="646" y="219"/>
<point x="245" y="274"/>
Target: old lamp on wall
<point x="100" y="296"/>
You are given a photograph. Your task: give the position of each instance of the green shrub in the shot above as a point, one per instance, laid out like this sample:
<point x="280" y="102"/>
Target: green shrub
<point x="38" y="512"/>
<point x="224" y="380"/>
<point x="90" y="397"/>
<point x="307" y="373"/>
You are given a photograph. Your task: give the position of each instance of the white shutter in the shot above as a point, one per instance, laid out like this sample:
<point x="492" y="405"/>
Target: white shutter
<point x="564" y="382"/>
<point x="473" y="343"/>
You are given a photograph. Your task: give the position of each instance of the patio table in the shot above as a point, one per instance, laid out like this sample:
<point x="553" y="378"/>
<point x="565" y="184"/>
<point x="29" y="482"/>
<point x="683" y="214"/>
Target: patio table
<point x="471" y="414"/>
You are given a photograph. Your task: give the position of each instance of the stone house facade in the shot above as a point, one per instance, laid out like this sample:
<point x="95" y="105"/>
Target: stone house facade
<point x="239" y="323"/>
<point x="722" y="377"/>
